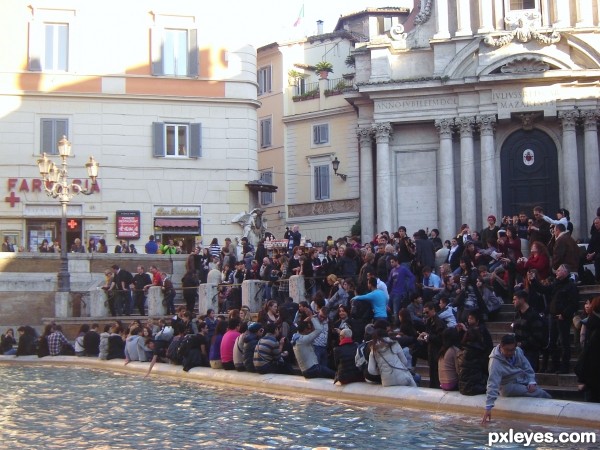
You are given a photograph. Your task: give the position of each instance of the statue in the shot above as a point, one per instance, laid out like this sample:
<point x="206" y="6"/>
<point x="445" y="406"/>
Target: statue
<point x="253" y="225"/>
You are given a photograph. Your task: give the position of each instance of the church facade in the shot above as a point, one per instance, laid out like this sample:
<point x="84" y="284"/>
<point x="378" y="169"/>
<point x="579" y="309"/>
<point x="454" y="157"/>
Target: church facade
<point x="469" y="108"/>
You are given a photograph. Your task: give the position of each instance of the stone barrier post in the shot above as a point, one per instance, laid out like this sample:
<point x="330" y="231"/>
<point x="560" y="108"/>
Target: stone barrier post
<point x="253" y="293"/>
<point x="297" y="290"/>
<point x="155" y="301"/>
<point x="208" y="298"/>
<point x="63" y="305"/>
<point x="98" y="303"/>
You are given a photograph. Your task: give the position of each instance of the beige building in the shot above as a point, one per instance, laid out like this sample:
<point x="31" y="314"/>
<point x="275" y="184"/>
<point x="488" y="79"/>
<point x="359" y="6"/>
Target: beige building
<point x="476" y="108"/>
<point x="159" y="97"/>
<point x="305" y="124"/>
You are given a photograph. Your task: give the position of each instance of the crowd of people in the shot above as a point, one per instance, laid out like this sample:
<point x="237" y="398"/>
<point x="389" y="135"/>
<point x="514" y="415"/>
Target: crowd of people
<point x="373" y="309"/>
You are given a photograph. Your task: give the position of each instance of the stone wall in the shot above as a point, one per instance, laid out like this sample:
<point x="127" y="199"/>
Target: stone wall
<point x="28" y="281"/>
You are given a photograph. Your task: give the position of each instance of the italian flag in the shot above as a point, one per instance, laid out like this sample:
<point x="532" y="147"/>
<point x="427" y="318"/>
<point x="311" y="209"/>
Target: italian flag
<point x="300" y="16"/>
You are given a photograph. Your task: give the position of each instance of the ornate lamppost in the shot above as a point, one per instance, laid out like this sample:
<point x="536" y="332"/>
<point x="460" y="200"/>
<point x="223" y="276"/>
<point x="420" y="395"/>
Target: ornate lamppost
<point x="57" y="185"/>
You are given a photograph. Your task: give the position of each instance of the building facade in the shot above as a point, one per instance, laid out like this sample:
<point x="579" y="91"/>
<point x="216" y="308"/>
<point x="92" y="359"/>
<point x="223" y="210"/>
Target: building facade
<point x="165" y="107"/>
<point x="471" y="108"/>
<point x="305" y="124"/>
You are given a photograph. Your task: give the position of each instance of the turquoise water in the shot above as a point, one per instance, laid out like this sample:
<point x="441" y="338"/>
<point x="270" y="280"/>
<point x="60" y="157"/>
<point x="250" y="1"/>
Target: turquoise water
<point x="45" y="407"/>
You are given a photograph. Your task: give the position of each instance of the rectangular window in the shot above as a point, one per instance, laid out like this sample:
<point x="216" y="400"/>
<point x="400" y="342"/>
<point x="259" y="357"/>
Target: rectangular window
<point x="266" y="198"/>
<point x="174" y="52"/>
<point x="301" y="86"/>
<point x="264" y="80"/>
<point x="516" y="5"/>
<point x="321" y="134"/>
<point x="51" y="131"/>
<point x="56" y="47"/>
<point x="177" y="140"/>
<point x="265" y="133"/>
<point x="321" y="182"/>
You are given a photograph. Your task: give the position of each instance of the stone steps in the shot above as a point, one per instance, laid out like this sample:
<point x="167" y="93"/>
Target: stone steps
<point x="563" y="386"/>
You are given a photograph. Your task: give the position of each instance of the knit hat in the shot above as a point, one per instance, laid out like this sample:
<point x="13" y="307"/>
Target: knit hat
<point x="254" y="327"/>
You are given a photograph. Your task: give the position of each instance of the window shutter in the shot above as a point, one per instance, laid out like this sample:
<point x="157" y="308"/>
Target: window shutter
<point x="266" y="198"/>
<point x="324" y="182"/>
<point x="36" y="41"/>
<point x="48" y="144"/>
<point x="158" y="135"/>
<point x="315" y="135"/>
<point x="61" y="129"/>
<point x="268" y="82"/>
<point x="324" y="133"/>
<point x="193" y="53"/>
<point x="268" y="133"/>
<point x="156" y="50"/>
<point x="195" y="140"/>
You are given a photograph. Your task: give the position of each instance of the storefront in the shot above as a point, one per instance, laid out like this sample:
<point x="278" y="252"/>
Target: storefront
<point x="180" y="223"/>
<point x="43" y="222"/>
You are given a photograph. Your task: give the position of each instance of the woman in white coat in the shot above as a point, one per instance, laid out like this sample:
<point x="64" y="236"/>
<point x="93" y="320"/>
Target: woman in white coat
<point x="388" y="360"/>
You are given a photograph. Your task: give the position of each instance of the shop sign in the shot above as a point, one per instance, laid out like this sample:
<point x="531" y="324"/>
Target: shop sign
<point x="16" y="185"/>
<point x="128" y="224"/>
<point x="177" y="211"/>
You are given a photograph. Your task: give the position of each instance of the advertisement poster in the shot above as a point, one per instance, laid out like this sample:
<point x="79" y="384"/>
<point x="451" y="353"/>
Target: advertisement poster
<point x="128" y="224"/>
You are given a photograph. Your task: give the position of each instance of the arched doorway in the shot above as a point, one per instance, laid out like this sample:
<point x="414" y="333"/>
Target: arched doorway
<point x="529" y="165"/>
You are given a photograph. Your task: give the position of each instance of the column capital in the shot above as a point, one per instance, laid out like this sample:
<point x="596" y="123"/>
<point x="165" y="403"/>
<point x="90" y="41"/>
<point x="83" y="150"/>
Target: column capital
<point x="364" y="133"/>
<point x="382" y="131"/>
<point x="465" y="126"/>
<point x="590" y="119"/>
<point x="568" y="119"/>
<point x="445" y="127"/>
<point x="486" y="124"/>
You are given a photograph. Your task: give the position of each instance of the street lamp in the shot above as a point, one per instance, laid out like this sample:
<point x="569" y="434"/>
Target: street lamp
<point x="336" y="165"/>
<point x="56" y="185"/>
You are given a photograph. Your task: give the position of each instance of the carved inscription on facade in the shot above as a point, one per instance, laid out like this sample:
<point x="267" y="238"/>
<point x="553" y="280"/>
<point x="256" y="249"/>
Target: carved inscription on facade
<point x="322" y="208"/>
<point x="526" y="98"/>
<point x="413" y="104"/>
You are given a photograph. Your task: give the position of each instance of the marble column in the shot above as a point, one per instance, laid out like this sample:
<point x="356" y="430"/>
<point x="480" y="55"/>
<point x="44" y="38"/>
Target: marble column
<point x="570" y="170"/>
<point x="441" y="14"/>
<point x="592" y="163"/>
<point x="467" y="171"/>
<point x="562" y="14"/>
<point x="489" y="204"/>
<point x="384" y="182"/>
<point x="367" y="189"/>
<point x="499" y="14"/>
<point x="487" y="16"/>
<point x="545" y="6"/>
<point x="445" y="181"/>
<point x="585" y="14"/>
<point x="464" y="18"/>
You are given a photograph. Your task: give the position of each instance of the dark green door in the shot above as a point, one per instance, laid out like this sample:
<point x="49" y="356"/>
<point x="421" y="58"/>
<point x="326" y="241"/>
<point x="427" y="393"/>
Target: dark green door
<point x="529" y="164"/>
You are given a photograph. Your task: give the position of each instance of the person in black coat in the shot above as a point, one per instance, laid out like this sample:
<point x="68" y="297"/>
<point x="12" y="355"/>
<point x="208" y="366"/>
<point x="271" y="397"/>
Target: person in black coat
<point x="588" y="364"/>
<point x="27" y="341"/>
<point x="472" y="364"/>
<point x="91" y="341"/>
<point x="564" y="302"/>
<point x="344" y="359"/>
<point x="190" y="283"/>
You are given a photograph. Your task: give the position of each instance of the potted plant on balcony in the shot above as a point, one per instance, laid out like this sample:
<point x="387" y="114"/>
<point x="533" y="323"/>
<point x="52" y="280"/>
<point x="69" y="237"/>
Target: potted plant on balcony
<point x="324" y="68"/>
